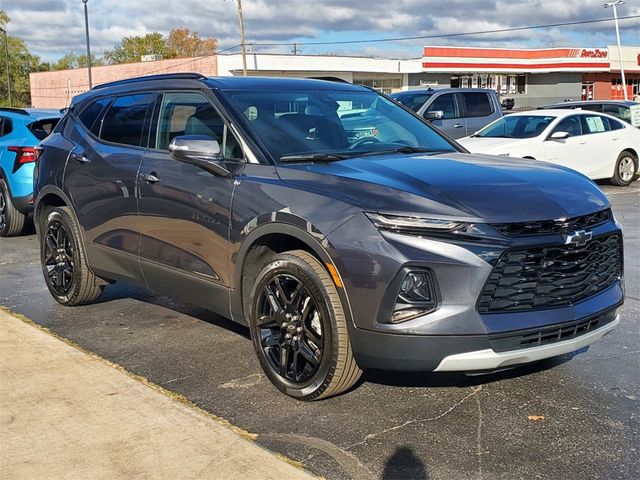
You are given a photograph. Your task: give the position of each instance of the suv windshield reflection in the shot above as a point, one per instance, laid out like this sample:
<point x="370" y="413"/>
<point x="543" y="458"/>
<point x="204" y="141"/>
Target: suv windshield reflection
<point x="520" y="126"/>
<point x="304" y="124"/>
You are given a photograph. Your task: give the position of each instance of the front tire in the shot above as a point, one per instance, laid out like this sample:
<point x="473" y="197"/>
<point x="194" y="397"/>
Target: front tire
<point x="625" y="170"/>
<point x="11" y="220"/>
<point x="64" y="261"/>
<point x="299" y="329"/>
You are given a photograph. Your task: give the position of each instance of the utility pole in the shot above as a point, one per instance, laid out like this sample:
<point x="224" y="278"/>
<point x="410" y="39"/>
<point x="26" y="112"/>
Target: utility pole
<point x="615" y="21"/>
<point x="242" y="45"/>
<point x="86" y="31"/>
<point x="6" y="59"/>
<point x="295" y="49"/>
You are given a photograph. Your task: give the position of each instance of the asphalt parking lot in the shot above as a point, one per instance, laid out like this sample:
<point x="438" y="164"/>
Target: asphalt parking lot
<point x="573" y="417"/>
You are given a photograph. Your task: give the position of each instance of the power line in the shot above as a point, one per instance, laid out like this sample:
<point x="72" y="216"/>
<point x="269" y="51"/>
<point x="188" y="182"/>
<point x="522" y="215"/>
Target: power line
<point x="447" y="35"/>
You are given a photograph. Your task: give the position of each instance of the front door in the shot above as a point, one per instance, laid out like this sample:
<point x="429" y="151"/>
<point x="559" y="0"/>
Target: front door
<point x="573" y="151"/>
<point x="452" y="122"/>
<point x="185" y="210"/>
<point x="100" y="179"/>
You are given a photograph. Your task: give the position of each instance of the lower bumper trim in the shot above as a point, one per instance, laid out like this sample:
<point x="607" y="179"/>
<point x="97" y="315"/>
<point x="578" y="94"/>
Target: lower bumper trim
<point x="488" y="359"/>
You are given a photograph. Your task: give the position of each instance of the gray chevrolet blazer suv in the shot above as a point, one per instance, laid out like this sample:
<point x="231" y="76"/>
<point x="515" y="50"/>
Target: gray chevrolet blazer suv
<point x="340" y="227"/>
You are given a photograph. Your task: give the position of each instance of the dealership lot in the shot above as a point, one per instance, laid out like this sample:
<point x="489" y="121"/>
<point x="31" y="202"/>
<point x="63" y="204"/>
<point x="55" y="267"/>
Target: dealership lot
<point x="573" y="417"/>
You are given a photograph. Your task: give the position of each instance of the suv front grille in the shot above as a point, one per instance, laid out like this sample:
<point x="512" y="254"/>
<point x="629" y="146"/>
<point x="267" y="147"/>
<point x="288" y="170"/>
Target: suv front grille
<point x="546" y="227"/>
<point x="536" y="278"/>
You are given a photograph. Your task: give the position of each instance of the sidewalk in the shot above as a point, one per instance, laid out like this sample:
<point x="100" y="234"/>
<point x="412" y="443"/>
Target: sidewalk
<point x="67" y="414"/>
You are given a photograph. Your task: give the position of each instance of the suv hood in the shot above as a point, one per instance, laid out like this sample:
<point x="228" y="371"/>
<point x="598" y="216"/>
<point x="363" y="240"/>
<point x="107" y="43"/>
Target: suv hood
<point x="471" y="187"/>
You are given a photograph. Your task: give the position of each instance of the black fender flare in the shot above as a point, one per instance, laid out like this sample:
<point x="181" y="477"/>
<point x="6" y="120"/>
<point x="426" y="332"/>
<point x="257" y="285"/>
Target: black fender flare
<point x="293" y="226"/>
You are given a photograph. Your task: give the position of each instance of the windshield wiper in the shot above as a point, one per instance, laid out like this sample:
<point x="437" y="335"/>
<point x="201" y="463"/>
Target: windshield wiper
<point x="406" y="150"/>
<point x="312" y="157"/>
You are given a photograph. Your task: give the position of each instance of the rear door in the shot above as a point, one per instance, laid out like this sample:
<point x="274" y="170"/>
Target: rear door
<point x="452" y="123"/>
<point x="185" y="210"/>
<point x="479" y="110"/>
<point x="100" y="179"/>
<point x="602" y="146"/>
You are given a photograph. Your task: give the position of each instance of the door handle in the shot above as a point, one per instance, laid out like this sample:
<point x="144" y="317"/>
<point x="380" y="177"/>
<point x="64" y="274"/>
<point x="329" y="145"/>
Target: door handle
<point x="458" y="125"/>
<point x="149" y="177"/>
<point x="80" y="158"/>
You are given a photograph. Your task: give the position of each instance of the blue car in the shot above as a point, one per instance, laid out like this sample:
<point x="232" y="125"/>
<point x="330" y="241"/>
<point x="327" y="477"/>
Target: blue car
<point x="20" y="132"/>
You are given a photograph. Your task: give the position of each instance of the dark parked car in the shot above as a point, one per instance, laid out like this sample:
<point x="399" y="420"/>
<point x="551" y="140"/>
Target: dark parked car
<point x="341" y="252"/>
<point x="618" y="108"/>
<point x="458" y="112"/>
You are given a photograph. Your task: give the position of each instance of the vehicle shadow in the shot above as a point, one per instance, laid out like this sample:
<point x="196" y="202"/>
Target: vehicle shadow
<point x="119" y="291"/>
<point x="460" y="380"/>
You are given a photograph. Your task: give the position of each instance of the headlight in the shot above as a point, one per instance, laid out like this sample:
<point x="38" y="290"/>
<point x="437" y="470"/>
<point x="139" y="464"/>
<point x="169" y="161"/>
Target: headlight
<point x="424" y="226"/>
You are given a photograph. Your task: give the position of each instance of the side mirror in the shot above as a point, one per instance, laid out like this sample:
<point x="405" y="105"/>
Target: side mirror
<point x="434" y="115"/>
<point x="199" y="150"/>
<point x="559" y="135"/>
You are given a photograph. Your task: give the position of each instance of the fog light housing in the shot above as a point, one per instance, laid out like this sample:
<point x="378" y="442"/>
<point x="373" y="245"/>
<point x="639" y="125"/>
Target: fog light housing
<point x="416" y="295"/>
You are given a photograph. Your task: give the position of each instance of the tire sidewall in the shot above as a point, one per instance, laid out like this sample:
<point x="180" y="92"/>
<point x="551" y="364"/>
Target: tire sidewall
<point x="5" y="195"/>
<point x="292" y="265"/>
<point x="59" y="215"/>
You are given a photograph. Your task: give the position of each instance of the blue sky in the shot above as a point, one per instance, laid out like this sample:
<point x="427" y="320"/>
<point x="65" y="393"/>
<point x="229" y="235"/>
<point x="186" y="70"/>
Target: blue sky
<point x="52" y="28"/>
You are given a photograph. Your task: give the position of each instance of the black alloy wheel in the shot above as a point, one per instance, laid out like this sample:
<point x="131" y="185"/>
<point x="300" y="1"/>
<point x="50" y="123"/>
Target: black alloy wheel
<point x="58" y="258"/>
<point x="290" y="326"/>
<point x="299" y="328"/>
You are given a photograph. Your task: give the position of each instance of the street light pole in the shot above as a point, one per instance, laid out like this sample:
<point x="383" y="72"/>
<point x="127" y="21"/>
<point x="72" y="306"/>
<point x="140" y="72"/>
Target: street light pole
<point x="242" y="45"/>
<point x="6" y="60"/>
<point x="86" y="32"/>
<point x="615" y="21"/>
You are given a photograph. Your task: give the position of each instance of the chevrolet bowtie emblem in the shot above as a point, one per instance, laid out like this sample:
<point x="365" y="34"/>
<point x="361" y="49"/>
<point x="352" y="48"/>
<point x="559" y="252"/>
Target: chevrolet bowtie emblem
<point x="579" y="238"/>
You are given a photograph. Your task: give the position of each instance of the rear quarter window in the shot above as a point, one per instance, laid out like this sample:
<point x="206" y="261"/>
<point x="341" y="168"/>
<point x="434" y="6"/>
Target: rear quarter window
<point x="43" y="127"/>
<point x="6" y="126"/>
<point x="91" y="115"/>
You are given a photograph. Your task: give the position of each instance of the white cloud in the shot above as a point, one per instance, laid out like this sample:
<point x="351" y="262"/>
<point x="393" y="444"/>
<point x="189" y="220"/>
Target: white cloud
<point x="52" y="28"/>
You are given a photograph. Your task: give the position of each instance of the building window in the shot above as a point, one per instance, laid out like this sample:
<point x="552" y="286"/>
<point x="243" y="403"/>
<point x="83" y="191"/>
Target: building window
<point x="503" y="84"/>
<point x="384" y="85"/>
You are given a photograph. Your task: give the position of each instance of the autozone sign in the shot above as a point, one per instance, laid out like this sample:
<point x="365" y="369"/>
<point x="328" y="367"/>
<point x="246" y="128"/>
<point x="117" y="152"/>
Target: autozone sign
<point x="593" y="53"/>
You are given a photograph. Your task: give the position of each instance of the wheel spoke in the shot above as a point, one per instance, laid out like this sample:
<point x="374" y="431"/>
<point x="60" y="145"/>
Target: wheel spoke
<point x="284" y="359"/>
<point x="295" y="295"/>
<point x="273" y="300"/>
<point x="312" y="336"/>
<point x="271" y="341"/>
<point x="308" y="355"/>
<point x="280" y="292"/>
<point x="266" y="321"/>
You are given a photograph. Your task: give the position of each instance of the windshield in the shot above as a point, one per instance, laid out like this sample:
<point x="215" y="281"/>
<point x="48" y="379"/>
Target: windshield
<point x="517" y="126"/>
<point x="412" y="100"/>
<point x="333" y="124"/>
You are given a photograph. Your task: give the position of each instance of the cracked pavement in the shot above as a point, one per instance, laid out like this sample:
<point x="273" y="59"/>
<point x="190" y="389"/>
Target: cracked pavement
<point x="393" y="425"/>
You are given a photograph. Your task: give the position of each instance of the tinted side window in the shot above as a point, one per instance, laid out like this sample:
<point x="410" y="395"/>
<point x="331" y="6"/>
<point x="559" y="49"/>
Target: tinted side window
<point x="186" y="113"/>
<point x="91" y="115"/>
<point x="619" y="111"/>
<point x="571" y="125"/>
<point x="478" y="104"/>
<point x="615" y="125"/>
<point x="594" y="124"/>
<point x="125" y="119"/>
<point x="6" y="126"/>
<point x="41" y="129"/>
<point x="448" y="104"/>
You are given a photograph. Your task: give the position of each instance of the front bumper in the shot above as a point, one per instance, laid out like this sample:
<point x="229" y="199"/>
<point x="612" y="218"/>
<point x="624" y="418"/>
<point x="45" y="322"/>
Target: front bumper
<point x="490" y="360"/>
<point x="440" y="353"/>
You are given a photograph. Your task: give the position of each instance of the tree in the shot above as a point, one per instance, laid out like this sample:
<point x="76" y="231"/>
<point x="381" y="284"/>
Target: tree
<point x="131" y="49"/>
<point x="21" y="63"/>
<point x="182" y="42"/>
<point x="74" y="60"/>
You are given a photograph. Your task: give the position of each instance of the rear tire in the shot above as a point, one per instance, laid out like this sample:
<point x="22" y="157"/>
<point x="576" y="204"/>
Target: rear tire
<point x="11" y="220"/>
<point x="64" y="261"/>
<point x="299" y="329"/>
<point x="626" y="169"/>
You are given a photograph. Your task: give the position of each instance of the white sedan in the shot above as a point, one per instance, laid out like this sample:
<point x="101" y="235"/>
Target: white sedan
<point x="595" y="144"/>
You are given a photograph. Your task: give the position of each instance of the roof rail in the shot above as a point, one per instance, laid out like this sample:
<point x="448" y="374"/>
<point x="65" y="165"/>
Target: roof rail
<point x="161" y="76"/>
<point x="20" y="111"/>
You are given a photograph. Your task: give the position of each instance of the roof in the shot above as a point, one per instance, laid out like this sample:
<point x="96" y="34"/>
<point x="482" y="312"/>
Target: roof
<point x="30" y="112"/>
<point x="276" y="83"/>
<point x="420" y="91"/>
<point x="627" y="103"/>
<point x="555" y="112"/>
